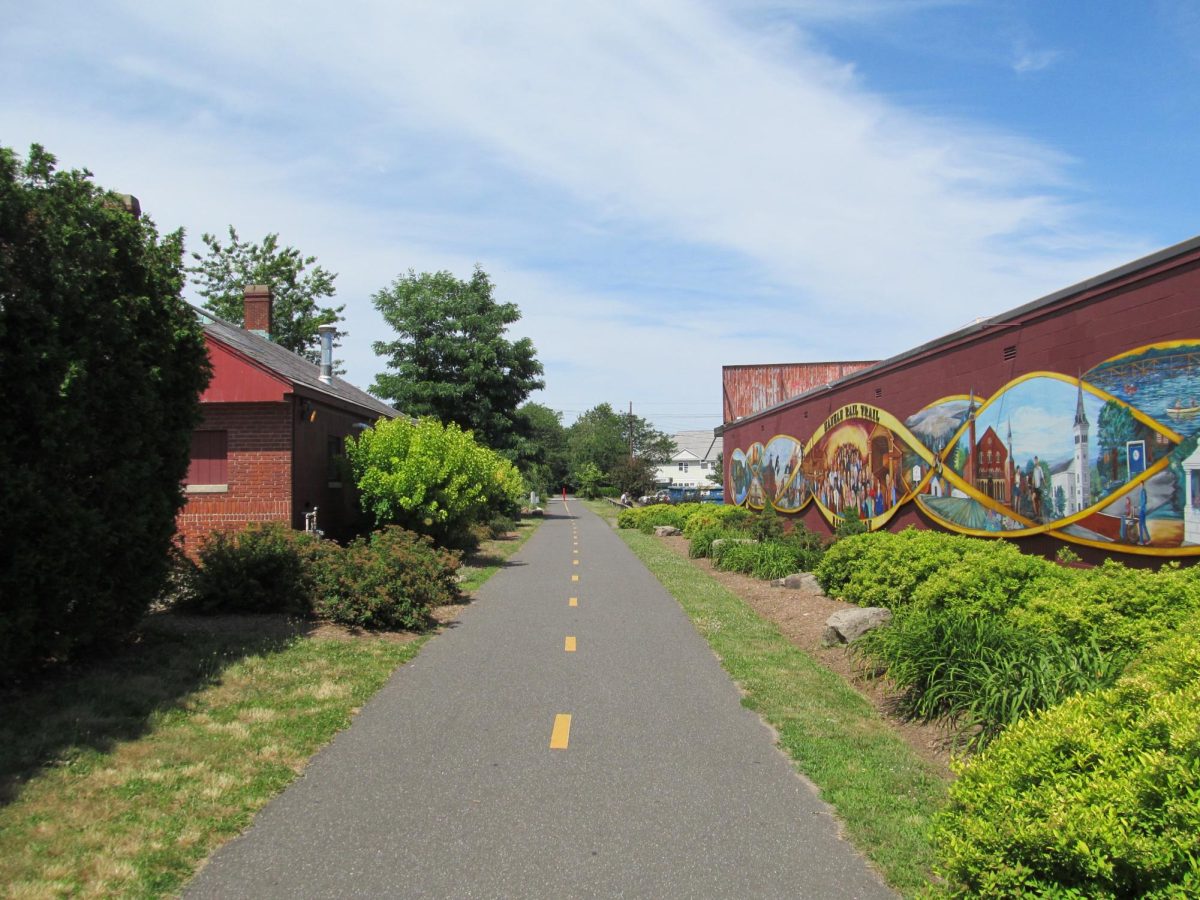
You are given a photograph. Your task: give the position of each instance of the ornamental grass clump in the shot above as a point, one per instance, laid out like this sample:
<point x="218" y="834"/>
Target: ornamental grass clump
<point x="981" y="671"/>
<point x="1098" y="797"/>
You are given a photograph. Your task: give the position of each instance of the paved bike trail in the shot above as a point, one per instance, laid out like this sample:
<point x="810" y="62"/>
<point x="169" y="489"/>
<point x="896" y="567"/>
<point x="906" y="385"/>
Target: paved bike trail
<point x="446" y="785"/>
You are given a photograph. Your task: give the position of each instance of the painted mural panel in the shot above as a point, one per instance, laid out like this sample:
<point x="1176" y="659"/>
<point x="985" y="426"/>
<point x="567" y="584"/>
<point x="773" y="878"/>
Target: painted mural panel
<point x="859" y="460"/>
<point x="782" y="475"/>
<point x="1108" y="459"/>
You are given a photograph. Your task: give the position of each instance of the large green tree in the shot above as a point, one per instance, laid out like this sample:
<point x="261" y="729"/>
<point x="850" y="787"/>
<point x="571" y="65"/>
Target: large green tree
<point x="101" y="367"/>
<point x="604" y="438"/>
<point x="452" y="359"/>
<point x="540" y="451"/>
<point x="225" y="268"/>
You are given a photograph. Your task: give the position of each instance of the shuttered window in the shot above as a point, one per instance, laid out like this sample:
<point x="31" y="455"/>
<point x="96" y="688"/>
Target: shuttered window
<point x="209" y="463"/>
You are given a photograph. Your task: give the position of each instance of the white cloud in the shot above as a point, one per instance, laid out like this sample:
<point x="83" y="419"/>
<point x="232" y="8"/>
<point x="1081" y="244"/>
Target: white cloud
<point x="1026" y="59"/>
<point x="661" y="188"/>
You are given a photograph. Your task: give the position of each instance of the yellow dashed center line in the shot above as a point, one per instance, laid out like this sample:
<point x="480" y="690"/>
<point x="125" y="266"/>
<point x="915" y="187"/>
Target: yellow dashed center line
<point x="574" y="601"/>
<point x="574" y="562"/>
<point x="560" y="736"/>
<point x="574" y="577"/>
<point x="569" y="644"/>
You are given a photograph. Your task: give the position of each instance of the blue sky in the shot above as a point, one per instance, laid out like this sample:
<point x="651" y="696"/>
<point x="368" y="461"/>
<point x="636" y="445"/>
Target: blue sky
<point x="663" y="186"/>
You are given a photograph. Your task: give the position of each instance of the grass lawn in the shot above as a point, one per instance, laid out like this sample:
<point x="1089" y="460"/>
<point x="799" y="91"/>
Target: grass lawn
<point x="884" y="794"/>
<point x="119" y="777"/>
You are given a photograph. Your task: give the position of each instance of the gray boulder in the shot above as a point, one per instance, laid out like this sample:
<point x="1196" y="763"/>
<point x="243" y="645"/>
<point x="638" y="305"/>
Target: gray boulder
<point x="666" y="530"/>
<point x="719" y="541"/>
<point x="801" y="581"/>
<point x="847" y="625"/>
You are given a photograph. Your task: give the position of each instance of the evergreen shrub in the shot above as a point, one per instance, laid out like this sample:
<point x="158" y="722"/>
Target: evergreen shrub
<point x="992" y="577"/>
<point x="261" y="569"/>
<point x="392" y="579"/>
<point x="1098" y="797"/>
<point x="884" y="569"/>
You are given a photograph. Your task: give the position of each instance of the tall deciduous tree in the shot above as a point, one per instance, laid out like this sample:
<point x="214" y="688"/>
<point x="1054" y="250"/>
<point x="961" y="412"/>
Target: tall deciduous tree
<point x="101" y="367"/>
<point x="225" y="269"/>
<point x="452" y="359"/>
<point x="604" y="438"/>
<point x="541" y="447"/>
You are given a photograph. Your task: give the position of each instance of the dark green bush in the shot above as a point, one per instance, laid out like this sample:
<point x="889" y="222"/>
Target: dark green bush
<point x="393" y="579"/>
<point x="1098" y="797"/>
<point x="808" y="546"/>
<point x="981" y="670"/>
<point x="766" y="526"/>
<point x="499" y="526"/>
<point x="261" y="569"/>
<point x="101" y="368"/>
<point x="851" y="524"/>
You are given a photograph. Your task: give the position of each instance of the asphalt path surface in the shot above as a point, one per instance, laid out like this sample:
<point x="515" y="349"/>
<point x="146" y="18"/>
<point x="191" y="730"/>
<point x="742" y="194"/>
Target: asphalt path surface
<point x="447" y="784"/>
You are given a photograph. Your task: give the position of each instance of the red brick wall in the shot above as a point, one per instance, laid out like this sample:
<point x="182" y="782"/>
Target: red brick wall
<point x="1082" y="329"/>
<point x="259" y="471"/>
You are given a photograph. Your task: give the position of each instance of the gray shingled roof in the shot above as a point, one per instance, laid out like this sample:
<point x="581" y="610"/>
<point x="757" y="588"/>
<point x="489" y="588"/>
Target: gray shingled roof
<point x="288" y="365"/>
<point x="698" y="443"/>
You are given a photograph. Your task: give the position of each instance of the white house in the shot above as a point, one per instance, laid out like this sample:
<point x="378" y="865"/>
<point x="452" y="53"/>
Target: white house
<point x="694" y="460"/>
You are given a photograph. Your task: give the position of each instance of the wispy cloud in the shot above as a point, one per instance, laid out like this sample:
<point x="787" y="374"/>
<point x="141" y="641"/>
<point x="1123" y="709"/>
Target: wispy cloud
<point x="661" y="187"/>
<point x="1028" y="59"/>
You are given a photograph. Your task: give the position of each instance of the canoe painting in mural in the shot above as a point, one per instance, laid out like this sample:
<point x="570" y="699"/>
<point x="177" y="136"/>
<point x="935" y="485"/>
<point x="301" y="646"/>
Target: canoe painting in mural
<point x="863" y="462"/>
<point x="1109" y="458"/>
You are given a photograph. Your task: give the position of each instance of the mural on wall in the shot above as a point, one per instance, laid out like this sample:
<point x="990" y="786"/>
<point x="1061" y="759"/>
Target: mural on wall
<point x="1108" y="459"/>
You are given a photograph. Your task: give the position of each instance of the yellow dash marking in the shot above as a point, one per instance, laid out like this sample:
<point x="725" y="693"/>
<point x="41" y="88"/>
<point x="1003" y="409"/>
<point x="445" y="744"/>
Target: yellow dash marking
<point x="574" y="551"/>
<point x="574" y="577"/>
<point x="561" y="734"/>
<point x="569" y="646"/>
<point x="574" y="562"/>
<point x="574" y="601"/>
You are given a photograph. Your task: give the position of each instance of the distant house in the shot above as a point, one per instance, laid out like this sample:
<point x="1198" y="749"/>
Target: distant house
<point x="270" y="446"/>
<point x="695" y="458"/>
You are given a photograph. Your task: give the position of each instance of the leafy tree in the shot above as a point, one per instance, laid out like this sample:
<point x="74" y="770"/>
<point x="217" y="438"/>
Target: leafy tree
<point x="223" y="272"/>
<point x="635" y="477"/>
<point x="451" y="358"/>
<point x="588" y="479"/>
<point x="541" y="447"/>
<point x="101" y="367"/>
<point x="432" y="478"/>
<point x="1116" y="427"/>
<point x="603" y="437"/>
<point x="717" y="475"/>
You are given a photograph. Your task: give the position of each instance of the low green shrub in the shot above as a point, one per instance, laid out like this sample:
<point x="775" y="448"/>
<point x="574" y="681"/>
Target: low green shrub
<point x="1120" y="608"/>
<point x="498" y="526"/>
<point x="765" y="559"/>
<point x="887" y="568"/>
<point x="992" y="577"/>
<point x="393" y="579"/>
<point x="981" y="670"/>
<point x="736" y="556"/>
<point x="808" y="547"/>
<point x="702" y="540"/>
<point x="766" y="526"/>
<point x="258" y="570"/>
<point x="646" y="518"/>
<point x="1098" y="797"/>
<point x="710" y="514"/>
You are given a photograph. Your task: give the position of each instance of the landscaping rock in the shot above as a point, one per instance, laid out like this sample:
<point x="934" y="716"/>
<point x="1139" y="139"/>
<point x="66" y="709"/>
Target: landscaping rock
<point x="847" y="625"/>
<point x="719" y="541"/>
<point x="666" y="530"/>
<point x="801" y="581"/>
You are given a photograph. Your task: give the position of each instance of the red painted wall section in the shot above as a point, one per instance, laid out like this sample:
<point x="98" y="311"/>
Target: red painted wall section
<point x="748" y="390"/>
<point x="237" y="379"/>
<point x="1070" y="336"/>
<point x="259" y="472"/>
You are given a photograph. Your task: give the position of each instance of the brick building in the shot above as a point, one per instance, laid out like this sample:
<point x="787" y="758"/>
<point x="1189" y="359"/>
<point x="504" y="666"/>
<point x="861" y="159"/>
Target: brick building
<point x="270" y="445"/>
<point x="1075" y="417"/>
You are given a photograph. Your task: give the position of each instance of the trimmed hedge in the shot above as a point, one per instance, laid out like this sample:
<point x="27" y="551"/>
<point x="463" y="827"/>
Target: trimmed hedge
<point x="1099" y="797"/>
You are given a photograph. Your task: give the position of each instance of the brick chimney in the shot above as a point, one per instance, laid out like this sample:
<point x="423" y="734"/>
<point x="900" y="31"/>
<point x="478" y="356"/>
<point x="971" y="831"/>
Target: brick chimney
<point x="257" y="310"/>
